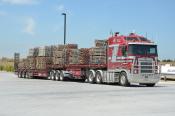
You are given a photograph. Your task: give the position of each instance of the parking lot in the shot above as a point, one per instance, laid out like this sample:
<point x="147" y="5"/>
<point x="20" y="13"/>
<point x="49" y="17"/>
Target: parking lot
<point x="35" y="97"/>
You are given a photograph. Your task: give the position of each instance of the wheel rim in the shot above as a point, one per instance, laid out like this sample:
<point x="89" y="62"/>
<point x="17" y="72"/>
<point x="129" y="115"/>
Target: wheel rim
<point x="52" y="76"/>
<point x="23" y="75"/>
<point x="49" y="77"/>
<point x="27" y="75"/>
<point x="123" y="80"/>
<point x="98" y="78"/>
<point x="61" y="77"/>
<point x="91" y="77"/>
<point x="57" y="76"/>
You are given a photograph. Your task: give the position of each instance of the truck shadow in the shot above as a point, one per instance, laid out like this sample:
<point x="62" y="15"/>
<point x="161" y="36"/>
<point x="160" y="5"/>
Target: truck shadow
<point x="103" y="84"/>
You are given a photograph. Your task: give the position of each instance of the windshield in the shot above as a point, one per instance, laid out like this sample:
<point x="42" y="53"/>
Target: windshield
<point x="136" y="39"/>
<point x="142" y="49"/>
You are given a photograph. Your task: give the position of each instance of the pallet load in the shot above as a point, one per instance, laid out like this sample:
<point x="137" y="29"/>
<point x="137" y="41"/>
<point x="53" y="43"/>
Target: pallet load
<point x="23" y="64"/>
<point x="16" y="60"/>
<point x="84" y="56"/>
<point x="61" y="54"/>
<point x="58" y="54"/>
<point x="31" y="62"/>
<point x="43" y="62"/>
<point x="46" y="51"/>
<point x="33" y="52"/>
<point x="72" y="56"/>
<point x="100" y="43"/>
<point x="98" y="53"/>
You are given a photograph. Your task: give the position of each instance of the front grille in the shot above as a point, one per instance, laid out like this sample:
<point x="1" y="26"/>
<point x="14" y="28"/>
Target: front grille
<point x="146" y="63"/>
<point x="146" y="67"/>
<point x="146" y="71"/>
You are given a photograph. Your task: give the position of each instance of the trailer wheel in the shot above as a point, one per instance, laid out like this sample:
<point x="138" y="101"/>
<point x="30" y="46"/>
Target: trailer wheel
<point x="123" y="81"/>
<point x="19" y="74"/>
<point x="27" y="75"/>
<point x="49" y="76"/>
<point x="91" y="77"/>
<point x="57" y="76"/>
<point x="23" y="74"/>
<point x="62" y="76"/>
<point x="98" y="78"/>
<point x="52" y="75"/>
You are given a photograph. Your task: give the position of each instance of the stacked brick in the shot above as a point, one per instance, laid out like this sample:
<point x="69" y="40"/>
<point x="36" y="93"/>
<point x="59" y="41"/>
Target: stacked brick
<point x="72" y="56"/>
<point x="31" y="62"/>
<point x="42" y="62"/>
<point x="41" y="57"/>
<point x="98" y="53"/>
<point x="58" y="54"/>
<point x="84" y="56"/>
<point x="23" y="64"/>
<point x="65" y="54"/>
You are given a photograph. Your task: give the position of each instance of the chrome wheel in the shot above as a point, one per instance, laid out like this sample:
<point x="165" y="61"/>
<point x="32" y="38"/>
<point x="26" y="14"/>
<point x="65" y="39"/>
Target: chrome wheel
<point x="57" y="76"/>
<point x="61" y="76"/>
<point x="123" y="79"/>
<point x="98" y="78"/>
<point x="91" y="77"/>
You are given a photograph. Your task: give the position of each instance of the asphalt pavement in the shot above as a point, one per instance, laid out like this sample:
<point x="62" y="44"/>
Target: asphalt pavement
<point x="36" y="97"/>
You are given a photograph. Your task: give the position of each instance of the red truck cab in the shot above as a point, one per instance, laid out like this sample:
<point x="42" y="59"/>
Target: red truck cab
<point x="134" y="57"/>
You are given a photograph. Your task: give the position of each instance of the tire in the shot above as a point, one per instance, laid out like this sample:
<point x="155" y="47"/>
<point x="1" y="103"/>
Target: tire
<point x="19" y="74"/>
<point x="52" y="75"/>
<point x="123" y="81"/>
<point x="23" y="74"/>
<point x="62" y="76"/>
<point x="150" y="85"/>
<point x="91" y="77"/>
<point x="49" y="76"/>
<point x="27" y="75"/>
<point x="57" y="76"/>
<point x="98" y="78"/>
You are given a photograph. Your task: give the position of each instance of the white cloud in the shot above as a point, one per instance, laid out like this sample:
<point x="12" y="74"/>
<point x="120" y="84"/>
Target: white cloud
<point x="3" y="13"/>
<point x="30" y="26"/>
<point x="20" y="2"/>
<point x="61" y="8"/>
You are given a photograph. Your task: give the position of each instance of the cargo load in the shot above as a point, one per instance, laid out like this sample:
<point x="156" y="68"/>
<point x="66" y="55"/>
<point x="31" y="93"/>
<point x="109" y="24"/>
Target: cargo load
<point x="42" y="62"/>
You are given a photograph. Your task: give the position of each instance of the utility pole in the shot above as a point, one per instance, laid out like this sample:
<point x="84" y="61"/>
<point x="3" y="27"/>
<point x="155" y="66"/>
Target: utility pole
<point x="64" y="14"/>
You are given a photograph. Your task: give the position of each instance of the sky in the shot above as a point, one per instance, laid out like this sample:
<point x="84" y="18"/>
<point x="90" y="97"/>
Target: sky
<point x="26" y="24"/>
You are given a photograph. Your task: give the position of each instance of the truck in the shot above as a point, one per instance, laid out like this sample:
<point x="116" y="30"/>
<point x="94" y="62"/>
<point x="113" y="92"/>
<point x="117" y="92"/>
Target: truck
<point x="167" y="71"/>
<point x="125" y="60"/>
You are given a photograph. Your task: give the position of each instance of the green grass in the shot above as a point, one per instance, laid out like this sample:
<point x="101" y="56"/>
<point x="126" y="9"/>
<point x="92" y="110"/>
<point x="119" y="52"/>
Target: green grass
<point x="6" y="65"/>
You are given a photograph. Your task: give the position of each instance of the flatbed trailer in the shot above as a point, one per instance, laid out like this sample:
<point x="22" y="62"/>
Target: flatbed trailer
<point x="77" y="71"/>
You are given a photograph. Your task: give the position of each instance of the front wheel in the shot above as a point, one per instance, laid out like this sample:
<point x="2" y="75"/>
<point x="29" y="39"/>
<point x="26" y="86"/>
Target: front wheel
<point x="123" y="81"/>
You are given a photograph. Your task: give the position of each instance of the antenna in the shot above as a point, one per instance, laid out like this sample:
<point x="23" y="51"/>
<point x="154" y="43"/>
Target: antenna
<point x="111" y="32"/>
